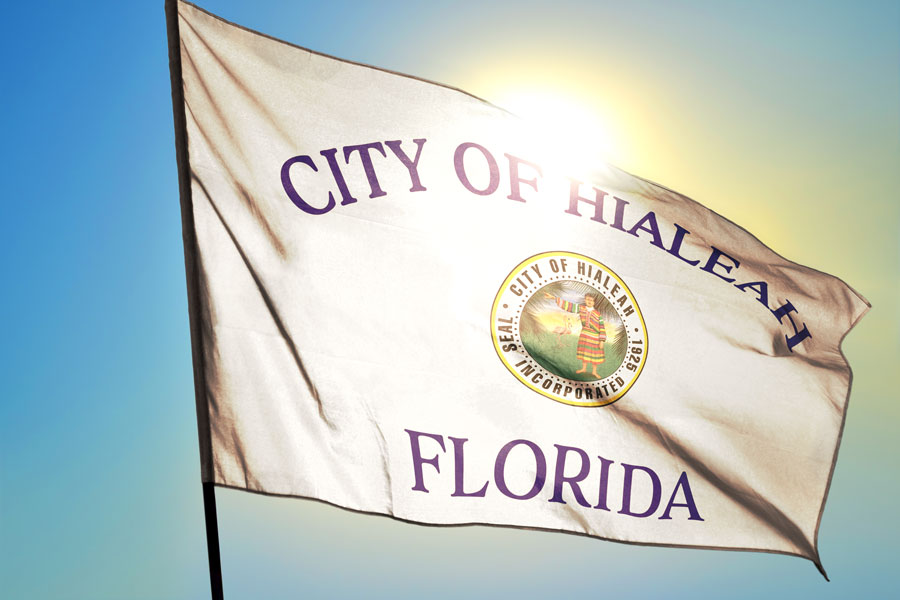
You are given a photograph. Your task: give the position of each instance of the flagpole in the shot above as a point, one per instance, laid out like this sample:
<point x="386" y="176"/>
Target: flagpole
<point x="212" y="540"/>
<point x="191" y="274"/>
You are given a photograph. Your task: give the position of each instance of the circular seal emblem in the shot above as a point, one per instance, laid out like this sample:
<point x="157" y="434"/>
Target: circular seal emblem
<point x="569" y="328"/>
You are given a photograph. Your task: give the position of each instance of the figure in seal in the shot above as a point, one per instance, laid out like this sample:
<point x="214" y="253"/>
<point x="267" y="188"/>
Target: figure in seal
<point x="593" y="331"/>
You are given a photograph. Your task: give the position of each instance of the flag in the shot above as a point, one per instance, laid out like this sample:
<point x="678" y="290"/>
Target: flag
<point x="404" y="302"/>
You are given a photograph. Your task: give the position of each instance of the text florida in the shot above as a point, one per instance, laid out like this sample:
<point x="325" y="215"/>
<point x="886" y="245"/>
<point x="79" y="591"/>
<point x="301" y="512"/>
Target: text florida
<point x="567" y="459"/>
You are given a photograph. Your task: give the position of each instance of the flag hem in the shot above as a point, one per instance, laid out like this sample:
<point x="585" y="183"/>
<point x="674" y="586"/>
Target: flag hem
<point x="189" y="241"/>
<point x="520" y="527"/>
<point x="840" y="436"/>
<point x="343" y="60"/>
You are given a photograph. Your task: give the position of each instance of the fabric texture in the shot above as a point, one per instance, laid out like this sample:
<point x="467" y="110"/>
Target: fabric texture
<point x="362" y="336"/>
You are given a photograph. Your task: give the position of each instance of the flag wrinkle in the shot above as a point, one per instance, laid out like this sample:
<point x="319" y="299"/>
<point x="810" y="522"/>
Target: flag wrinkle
<point x="244" y="90"/>
<point x="739" y="491"/>
<point x="781" y="263"/>
<point x="252" y="205"/>
<point x="270" y="306"/>
<point x="237" y="450"/>
<point x="651" y="191"/>
<point x="826" y="356"/>
<point x="576" y="513"/>
<point x="227" y="171"/>
<point x="217" y="111"/>
<point x="310" y="54"/>
<point x="394" y="322"/>
<point x="383" y="448"/>
<point x="830" y="359"/>
<point x="209" y="352"/>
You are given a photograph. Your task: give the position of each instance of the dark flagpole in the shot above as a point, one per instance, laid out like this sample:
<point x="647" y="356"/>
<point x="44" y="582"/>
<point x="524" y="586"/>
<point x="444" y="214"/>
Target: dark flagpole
<point x="190" y="267"/>
<point x="212" y="540"/>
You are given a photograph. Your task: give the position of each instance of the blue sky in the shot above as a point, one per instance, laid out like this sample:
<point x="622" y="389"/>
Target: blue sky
<point x="786" y="119"/>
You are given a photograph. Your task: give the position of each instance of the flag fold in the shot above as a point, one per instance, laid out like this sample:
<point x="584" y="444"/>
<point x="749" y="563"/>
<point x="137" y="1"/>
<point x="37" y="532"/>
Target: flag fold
<point x="404" y="302"/>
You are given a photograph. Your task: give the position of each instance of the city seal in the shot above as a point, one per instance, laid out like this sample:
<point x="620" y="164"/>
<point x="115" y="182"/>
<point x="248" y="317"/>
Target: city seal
<point x="569" y="328"/>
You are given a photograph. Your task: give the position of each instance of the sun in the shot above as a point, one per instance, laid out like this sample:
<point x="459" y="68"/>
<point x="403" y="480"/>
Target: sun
<point x="573" y="134"/>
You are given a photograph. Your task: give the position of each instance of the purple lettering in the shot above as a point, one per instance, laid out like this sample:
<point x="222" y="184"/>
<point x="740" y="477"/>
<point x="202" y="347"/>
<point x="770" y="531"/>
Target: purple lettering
<point x="366" y="159"/>
<point x="417" y="459"/>
<point x="799" y="335"/>
<point x="680" y="232"/>
<point x="626" y="491"/>
<point x="291" y="191"/>
<point x="540" y="475"/>
<point x="760" y="287"/>
<point x="346" y="196"/>
<point x="604" y="483"/>
<point x="458" y="458"/>
<point x="688" y="503"/>
<point x="515" y="179"/>
<point x="648" y="223"/>
<point x="575" y="198"/>
<point x="713" y="262"/>
<point x="560" y="478"/>
<point x="411" y="165"/>
<point x="459" y="164"/>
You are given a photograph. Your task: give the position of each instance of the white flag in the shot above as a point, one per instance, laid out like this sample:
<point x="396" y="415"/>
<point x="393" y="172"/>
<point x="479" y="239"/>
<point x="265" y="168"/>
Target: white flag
<point x="404" y="303"/>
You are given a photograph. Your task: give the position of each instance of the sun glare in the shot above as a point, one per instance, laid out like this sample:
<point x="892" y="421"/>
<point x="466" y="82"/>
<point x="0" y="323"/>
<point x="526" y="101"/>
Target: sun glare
<point x="573" y="134"/>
